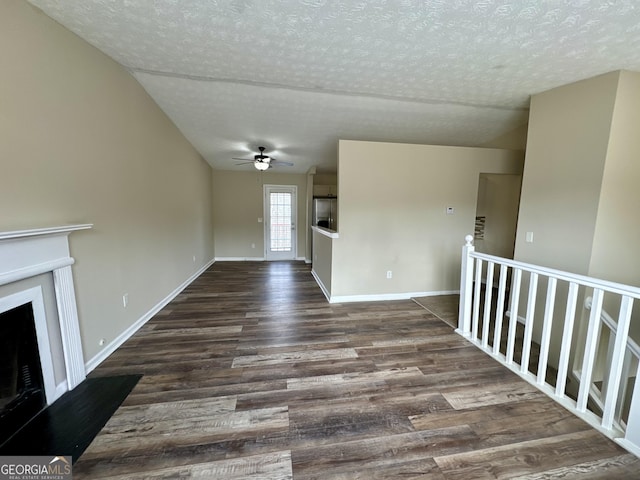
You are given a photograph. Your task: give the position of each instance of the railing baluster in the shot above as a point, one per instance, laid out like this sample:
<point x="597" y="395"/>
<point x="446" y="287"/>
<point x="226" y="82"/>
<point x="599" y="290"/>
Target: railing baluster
<point x="615" y="372"/>
<point x="567" y="333"/>
<point x="546" y="330"/>
<point x="476" y="300"/>
<point x="607" y="363"/>
<point x="528" y="322"/>
<point x="590" y="349"/>
<point x="488" y="295"/>
<point x="626" y="375"/>
<point x="502" y="286"/>
<point x="513" y="314"/>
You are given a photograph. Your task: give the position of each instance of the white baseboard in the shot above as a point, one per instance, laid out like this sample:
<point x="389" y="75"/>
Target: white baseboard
<point x="239" y="259"/>
<point x="124" y="336"/>
<point x="321" y="285"/>
<point x="387" y="296"/>
<point x="252" y="259"/>
<point x="438" y="293"/>
<point x="375" y="297"/>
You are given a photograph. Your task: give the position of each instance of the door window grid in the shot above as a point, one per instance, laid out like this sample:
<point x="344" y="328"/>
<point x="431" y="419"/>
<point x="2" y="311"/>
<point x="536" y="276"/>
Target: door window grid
<point x="280" y="227"/>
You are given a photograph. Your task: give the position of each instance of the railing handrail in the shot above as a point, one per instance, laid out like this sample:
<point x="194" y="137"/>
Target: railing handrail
<point x="482" y="304"/>
<point x="613" y="287"/>
<point x="634" y="348"/>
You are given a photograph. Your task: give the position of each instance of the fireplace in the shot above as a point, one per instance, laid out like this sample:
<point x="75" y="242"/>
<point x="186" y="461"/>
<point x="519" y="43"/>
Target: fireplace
<point x="40" y="346"/>
<point x="22" y="393"/>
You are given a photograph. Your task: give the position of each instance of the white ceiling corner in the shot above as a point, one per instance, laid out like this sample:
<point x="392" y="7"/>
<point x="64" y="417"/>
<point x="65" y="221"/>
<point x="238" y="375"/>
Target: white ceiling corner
<point x="297" y="75"/>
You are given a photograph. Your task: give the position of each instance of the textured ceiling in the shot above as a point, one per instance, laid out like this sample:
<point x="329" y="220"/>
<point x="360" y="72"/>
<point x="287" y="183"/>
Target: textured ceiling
<point x="296" y="76"/>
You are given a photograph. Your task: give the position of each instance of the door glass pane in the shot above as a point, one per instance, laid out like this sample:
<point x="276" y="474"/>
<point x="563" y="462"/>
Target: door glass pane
<point x="280" y="204"/>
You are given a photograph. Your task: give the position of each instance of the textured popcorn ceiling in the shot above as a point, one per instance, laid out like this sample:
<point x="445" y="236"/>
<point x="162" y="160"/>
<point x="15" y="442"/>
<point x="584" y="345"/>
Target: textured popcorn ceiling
<point x="296" y="76"/>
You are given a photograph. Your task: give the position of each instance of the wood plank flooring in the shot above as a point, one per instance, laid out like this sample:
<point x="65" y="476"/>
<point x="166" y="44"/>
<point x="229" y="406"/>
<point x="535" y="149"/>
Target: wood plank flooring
<point x="251" y="374"/>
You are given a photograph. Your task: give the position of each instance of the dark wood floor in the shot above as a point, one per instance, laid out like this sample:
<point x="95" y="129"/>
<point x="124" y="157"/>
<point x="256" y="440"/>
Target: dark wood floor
<point x="250" y="373"/>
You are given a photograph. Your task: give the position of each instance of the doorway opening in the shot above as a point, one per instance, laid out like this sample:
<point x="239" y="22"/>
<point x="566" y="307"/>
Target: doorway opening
<point x="497" y="213"/>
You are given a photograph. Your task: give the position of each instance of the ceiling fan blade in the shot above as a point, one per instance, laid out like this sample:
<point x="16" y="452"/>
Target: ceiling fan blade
<point x="243" y="159"/>
<point x="245" y="163"/>
<point x="281" y="163"/>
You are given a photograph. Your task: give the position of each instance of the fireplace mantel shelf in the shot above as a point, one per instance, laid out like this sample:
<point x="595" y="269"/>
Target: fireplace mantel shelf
<point x="44" y="231"/>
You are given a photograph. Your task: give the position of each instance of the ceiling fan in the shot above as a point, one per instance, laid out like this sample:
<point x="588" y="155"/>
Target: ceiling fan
<point x="263" y="162"/>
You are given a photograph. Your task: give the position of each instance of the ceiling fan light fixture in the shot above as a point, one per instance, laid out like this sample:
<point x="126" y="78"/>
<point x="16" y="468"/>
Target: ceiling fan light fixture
<point x="261" y="165"/>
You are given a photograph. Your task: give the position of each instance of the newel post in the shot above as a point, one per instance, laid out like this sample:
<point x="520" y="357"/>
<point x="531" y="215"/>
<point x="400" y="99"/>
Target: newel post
<point x="466" y="288"/>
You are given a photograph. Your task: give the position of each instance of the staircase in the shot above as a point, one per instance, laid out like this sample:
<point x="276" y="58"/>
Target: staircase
<point x="551" y="328"/>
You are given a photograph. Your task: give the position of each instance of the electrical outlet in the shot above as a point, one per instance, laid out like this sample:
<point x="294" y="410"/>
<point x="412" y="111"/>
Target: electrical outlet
<point x="389" y="274"/>
<point x="194" y="259"/>
<point x="125" y="300"/>
<point x="101" y="342"/>
<point x="253" y="245"/>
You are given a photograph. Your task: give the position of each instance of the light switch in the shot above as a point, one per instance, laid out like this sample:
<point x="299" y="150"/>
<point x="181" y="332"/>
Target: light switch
<point x="450" y="210"/>
<point x="529" y="237"/>
<point x="260" y="220"/>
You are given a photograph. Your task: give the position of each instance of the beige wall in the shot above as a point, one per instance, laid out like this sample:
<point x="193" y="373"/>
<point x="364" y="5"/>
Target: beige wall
<point x="237" y="206"/>
<point x="615" y="245"/>
<point x="392" y="204"/>
<point x="579" y="194"/>
<point x="82" y="142"/>
<point x="615" y="254"/>
<point x="566" y="149"/>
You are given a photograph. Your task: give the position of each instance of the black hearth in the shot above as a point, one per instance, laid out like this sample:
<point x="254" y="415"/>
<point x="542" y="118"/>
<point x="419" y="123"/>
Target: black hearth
<point x="22" y="394"/>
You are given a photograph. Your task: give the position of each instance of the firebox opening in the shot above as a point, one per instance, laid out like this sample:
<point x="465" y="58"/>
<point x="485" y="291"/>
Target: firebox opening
<point x="22" y="394"/>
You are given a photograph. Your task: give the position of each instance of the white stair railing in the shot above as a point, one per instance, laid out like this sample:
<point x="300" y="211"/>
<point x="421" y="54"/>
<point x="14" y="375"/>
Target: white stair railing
<point x="612" y="403"/>
<point x="622" y="369"/>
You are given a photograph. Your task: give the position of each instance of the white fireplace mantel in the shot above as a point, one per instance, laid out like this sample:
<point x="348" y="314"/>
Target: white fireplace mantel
<point x="34" y="232"/>
<point x="27" y="253"/>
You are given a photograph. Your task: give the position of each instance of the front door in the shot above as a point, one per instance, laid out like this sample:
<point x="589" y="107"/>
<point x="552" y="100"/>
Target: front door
<point x="280" y="222"/>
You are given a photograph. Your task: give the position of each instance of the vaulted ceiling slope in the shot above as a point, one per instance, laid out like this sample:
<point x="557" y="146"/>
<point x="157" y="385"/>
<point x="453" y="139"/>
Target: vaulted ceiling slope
<point x="297" y="75"/>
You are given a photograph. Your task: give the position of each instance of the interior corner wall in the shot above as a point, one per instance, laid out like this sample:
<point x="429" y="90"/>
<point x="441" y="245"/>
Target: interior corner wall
<point x="82" y="142"/>
<point x="515" y="139"/>
<point x="392" y="208"/>
<point x="237" y="206"/>
<point x="615" y="254"/>
<point x="567" y="145"/>
<point x="325" y="179"/>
